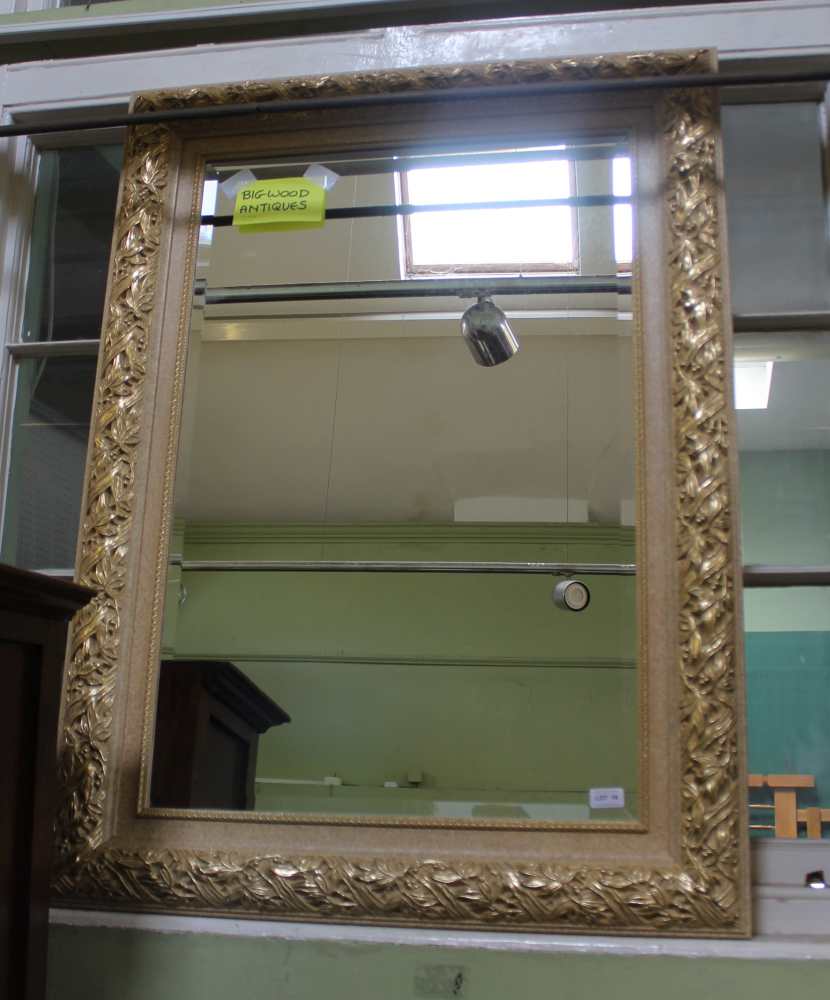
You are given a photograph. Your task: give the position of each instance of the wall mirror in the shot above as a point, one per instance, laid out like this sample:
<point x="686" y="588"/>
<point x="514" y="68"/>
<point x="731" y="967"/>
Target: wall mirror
<point x="412" y="525"/>
<point x="349" y="480"/>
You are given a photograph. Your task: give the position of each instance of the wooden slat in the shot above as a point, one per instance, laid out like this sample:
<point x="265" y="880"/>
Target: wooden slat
<point x="786" y="821"/>
<point x="813" y="819"/>
<point x="791" y="780"/>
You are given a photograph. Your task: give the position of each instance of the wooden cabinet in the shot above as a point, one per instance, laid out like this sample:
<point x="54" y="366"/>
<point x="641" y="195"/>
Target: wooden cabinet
<point x="34" y="614"/>
<point x="208" y="722"/>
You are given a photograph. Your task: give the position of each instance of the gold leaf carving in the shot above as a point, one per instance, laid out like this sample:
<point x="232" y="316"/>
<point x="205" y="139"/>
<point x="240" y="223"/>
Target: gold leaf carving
<point x="701" y="896"/>
<point x="528" y="896"/>
<point x="108" y="508"/>
<point x="709" y="719"/>
<point x="432" y="78"/>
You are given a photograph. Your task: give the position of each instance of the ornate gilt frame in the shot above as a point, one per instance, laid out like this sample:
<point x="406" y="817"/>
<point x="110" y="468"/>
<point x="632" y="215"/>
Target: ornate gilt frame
<point x="686" y="876"/>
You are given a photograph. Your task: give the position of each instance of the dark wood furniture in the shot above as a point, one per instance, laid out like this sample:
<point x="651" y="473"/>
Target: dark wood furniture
<point x="209" y="718"/>
<point x="34" y="614"/>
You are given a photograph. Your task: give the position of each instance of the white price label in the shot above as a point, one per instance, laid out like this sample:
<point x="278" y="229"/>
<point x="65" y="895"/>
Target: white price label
<point x="606" y="798"/>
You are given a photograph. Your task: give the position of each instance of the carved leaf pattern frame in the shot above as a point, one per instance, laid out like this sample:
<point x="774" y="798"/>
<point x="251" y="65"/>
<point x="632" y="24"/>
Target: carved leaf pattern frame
<point x="705" y="893"/>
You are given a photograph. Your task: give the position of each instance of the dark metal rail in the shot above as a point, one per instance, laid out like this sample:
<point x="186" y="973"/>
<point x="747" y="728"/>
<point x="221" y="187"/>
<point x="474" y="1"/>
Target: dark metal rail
<point x="461" y="94"/>
<point x="786" y="576"/>
<point x="801" y="322"/>
<point x="753" y="576"/>
<point x="397" y="566"/>
<point x="414" y="288"/>
<point x="383" y="211"/>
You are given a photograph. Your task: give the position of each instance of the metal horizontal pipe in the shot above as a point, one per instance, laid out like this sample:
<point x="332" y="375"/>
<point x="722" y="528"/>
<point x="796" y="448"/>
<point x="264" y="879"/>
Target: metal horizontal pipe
<point x="756" y="575"/>
<point x="55" y="349"/>
<point x="414" y="288"/>
<point x="551" y="88"/>
<point x="383" y="211"/>
<point x="395" y="566"/>
<point x="753" y="576"/>
<point x="800" y="322"/>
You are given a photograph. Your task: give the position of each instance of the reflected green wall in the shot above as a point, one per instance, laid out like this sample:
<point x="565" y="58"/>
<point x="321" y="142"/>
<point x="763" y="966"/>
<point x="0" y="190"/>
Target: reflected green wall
<point x="475" y="683"/>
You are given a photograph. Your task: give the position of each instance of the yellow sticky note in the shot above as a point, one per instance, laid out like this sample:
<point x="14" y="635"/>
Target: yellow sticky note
<point x="283" y="204"/>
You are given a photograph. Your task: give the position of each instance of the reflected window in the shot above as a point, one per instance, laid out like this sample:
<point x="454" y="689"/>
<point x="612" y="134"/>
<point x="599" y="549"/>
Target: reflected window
<point x="495" y="240"/>
<point x="512" y="240"/>
<point x="544" y="238"/>
<point x="777" y="200"/>
<point x="784" y="438"/>
<point x="623" y="214"/>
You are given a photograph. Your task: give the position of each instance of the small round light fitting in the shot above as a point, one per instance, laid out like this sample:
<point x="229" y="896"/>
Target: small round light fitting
<point x="815" y="880"/>
<point x="571" y="595"/>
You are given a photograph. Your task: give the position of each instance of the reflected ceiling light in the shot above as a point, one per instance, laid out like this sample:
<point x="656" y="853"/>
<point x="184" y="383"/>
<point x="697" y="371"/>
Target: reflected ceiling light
<point x="488" y="334"/>
<point x="752" y="384"/>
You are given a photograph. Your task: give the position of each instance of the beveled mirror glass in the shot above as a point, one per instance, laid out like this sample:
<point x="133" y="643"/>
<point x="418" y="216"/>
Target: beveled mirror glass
<point x="412" y="529"/>
<point x="360" y="617"/>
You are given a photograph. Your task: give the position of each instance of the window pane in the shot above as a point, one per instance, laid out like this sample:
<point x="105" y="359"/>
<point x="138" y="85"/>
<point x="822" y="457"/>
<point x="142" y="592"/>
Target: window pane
<point x="776" y="196"/>
<point x="784" y="441"/>
<point x="785" y="465"/>
<point x="788" y="690"/>
<point x="623" y="216"/>
<point x="522" y="236"/>
<point x="51" y="427"/>
<point x="71" y="235"/>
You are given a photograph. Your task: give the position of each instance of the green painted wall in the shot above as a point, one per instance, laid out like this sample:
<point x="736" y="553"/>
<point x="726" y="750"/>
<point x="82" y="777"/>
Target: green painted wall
<point x="79" y="12"/>
<point x="477" y="683"/>
<point x="513" y="728"/>
<point x="785" y="515"/>
<point x="133" y="965"/>
<point x="788" y="698"/>
<point x="785" y="518"/>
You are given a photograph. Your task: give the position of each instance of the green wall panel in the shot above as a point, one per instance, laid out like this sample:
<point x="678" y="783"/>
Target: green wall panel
<point x="476" y="682"/>
<point x="109" y="964"/>
<point x="570" y="728"/>
<point x="785" y="519"/>
<point x="788" y="702"/>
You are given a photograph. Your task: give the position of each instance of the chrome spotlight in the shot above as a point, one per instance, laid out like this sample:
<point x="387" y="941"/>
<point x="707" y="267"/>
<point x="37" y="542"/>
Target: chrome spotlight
<point x="571" y="595"/>
<point x="488" y="334"/>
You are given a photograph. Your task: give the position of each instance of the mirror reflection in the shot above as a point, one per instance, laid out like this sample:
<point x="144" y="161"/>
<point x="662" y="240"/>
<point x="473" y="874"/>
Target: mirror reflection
<point x="401" y="574"/>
